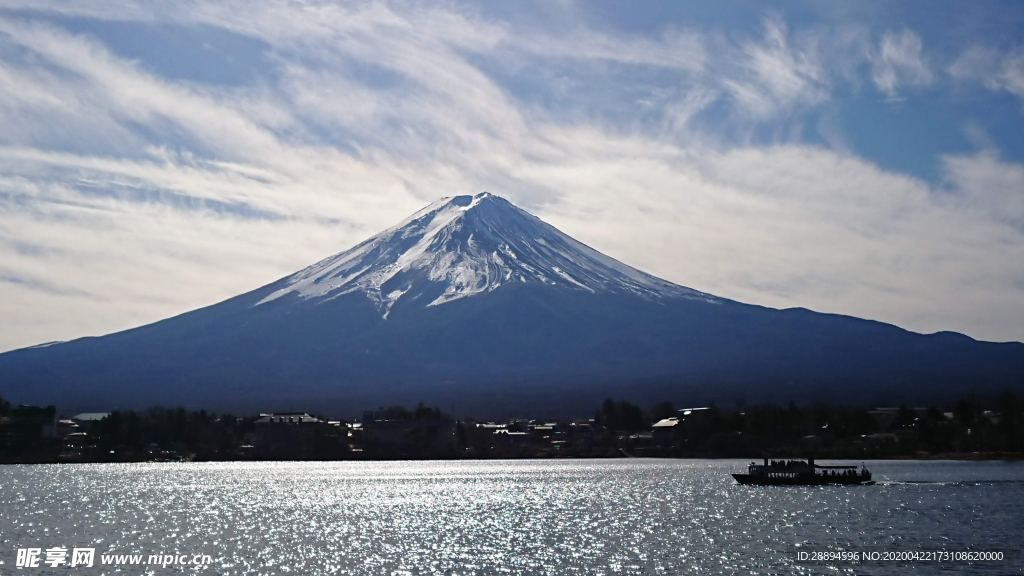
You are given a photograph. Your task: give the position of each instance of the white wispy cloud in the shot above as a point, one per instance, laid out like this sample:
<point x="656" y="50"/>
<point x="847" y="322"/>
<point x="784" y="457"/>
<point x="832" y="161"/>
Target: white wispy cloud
<point x="1011" y="74"/>
<point x="780" y="76"/>
<point x="900" y="62"/>
<point x="992" y="69"/>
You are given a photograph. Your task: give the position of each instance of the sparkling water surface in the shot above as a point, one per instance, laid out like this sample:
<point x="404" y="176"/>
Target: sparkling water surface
<point x="629" y="516"/>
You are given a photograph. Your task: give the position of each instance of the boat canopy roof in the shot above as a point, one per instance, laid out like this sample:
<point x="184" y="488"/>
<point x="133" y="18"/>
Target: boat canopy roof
<point x="816" y="466"/>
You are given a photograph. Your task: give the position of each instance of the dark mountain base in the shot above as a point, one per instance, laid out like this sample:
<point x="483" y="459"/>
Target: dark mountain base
<point x="517" y="350"/>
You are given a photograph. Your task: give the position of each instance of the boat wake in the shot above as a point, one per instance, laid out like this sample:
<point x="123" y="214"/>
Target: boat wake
<point x="945" y="482"/>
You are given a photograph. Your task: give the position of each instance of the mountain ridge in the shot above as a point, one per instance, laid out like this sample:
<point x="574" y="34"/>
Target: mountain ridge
<point x="465" y="330"/>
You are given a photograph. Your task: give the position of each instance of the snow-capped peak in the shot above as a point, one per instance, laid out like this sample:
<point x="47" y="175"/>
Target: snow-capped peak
<point x="461" y="246"/>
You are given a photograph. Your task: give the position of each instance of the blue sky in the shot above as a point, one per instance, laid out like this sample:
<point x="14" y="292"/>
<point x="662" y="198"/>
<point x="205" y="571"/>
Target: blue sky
<point x="862" y="158"/>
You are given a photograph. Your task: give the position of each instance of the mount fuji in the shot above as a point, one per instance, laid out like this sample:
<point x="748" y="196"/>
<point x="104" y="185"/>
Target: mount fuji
<point x="475" y="305"/>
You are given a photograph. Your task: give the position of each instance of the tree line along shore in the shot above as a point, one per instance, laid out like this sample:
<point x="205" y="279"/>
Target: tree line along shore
<point x="972" y="428"/>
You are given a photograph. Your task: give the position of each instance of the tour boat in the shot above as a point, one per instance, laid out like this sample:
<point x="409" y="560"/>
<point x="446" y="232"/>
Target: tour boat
<point x="801" y="473"/>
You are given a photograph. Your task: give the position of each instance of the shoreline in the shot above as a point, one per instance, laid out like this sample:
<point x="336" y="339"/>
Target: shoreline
<point x="949" y="457"/>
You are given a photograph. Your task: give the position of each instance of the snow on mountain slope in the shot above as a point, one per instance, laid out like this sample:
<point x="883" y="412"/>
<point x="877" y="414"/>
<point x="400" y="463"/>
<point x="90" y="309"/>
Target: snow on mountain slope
<point x="466" y="245"/>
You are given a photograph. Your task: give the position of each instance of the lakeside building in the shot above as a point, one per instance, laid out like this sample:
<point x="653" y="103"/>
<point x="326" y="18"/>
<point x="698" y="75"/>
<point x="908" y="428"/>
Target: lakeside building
<point x="28" y="428"/>
<point x="434" y="434"/>
<point x="86" y="417"/>
<point x="35" y="421"/>
<point x="279" y="432"/>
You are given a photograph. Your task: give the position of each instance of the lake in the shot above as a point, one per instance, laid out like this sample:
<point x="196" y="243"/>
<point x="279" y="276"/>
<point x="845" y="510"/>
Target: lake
<point x="626" y="516"/>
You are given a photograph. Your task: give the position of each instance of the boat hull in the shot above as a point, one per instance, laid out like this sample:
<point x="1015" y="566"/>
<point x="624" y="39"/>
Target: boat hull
<point x="801" y="480"/>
